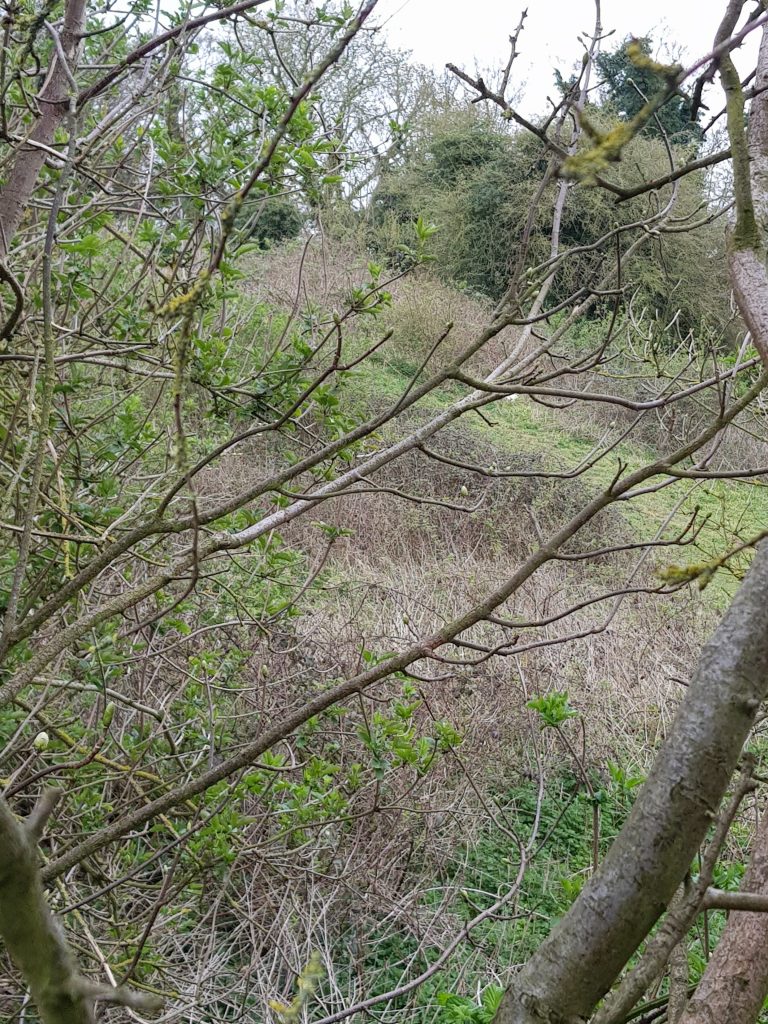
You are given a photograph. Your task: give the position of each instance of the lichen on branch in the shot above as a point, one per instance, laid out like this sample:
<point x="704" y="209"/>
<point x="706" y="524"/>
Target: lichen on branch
<point x="608" y="146"/>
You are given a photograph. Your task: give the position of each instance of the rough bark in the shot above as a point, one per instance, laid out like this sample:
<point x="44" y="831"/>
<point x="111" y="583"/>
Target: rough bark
<point x="580" y="960"/>
<point x="694" y="897"/>
<point x="735" y="983"/>
<point x="678" y="983"/>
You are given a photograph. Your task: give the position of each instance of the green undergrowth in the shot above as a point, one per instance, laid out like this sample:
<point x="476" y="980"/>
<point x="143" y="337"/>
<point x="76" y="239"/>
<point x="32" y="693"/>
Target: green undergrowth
<point x="520" y="434"/>
<point x="483" y="871"/>
<point x="560" y="864"/>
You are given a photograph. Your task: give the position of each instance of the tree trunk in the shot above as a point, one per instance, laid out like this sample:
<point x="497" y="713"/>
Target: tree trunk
<point x="53" y="104"/>
<point x="735" y="983"/>
<point x="29" y="931"/>
<point x="582" y="957"/>
<point x="678" y="983"/>
<point x="32" y="935"/>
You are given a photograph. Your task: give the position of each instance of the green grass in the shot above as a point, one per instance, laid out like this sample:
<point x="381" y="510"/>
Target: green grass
<point x="727" y="510"/>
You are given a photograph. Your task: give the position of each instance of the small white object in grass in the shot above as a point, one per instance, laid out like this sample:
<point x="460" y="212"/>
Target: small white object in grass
<point x="464" y="491"/>
<point x="41" y="741"/>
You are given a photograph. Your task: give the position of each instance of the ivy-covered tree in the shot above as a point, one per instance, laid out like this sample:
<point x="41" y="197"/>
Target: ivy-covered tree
<point x="258" y="783"/>
<point x="476" y="181"/>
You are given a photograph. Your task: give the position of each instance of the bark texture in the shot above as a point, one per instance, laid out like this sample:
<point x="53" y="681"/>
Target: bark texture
<point x="32" y="936"/>
<point x="678" y="984"/>
<point x="735" y="983"/>
<point x="580" y="960"/>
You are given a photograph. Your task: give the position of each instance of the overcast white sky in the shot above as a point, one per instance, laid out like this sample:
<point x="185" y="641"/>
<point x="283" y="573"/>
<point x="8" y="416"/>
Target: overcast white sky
<point x="465" y="31"/>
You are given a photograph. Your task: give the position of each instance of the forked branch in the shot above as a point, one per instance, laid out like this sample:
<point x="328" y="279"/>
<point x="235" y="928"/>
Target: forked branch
<point x="31" y="934"/>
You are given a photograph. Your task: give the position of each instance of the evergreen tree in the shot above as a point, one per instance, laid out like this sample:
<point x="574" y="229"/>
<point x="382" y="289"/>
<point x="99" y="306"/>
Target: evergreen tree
<point x="626" y="87"/>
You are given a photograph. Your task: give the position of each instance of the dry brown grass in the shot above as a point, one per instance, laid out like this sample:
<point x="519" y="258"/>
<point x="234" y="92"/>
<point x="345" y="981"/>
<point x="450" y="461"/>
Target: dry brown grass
<point x="393" y="867"/>
<point x="409" y="567"/>
<point x="319" y="274"/>
<point x="423" y="307"/>
<point x="314" y="272"/>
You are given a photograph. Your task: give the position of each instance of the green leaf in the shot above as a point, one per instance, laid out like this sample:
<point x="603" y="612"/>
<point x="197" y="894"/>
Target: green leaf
<point x="424" y="229"/>
<point x="88" y="245"/>
<point x="553" y="708"/>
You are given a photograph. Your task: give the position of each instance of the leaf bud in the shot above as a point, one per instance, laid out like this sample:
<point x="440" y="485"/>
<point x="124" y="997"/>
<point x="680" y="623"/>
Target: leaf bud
<point x="41" y="741"/>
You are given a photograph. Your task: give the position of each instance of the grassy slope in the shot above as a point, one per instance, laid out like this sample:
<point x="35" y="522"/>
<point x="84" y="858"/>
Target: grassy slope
<point x="523" y="428"/>
<point x="628" y="721"/>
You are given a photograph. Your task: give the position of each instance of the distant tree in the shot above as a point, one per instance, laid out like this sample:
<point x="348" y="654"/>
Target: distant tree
<point x="274" y="221"/>
<point x="368" y="102"/>
<point x="476" y="181"/>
